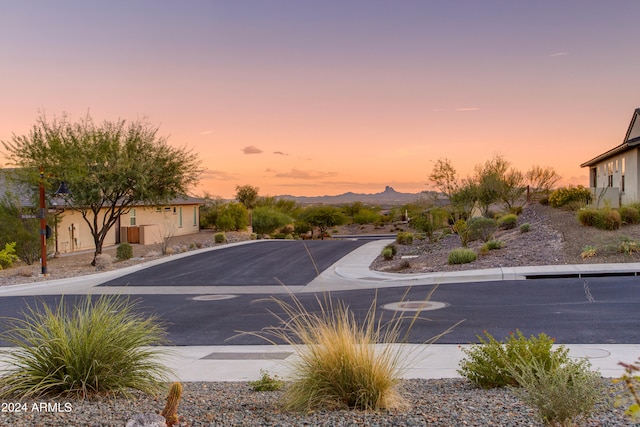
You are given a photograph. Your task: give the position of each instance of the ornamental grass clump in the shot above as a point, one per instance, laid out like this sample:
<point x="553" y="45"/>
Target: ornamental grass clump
<point x="461" y="256"/>
<point x="342" y="363"/>
<point x="93" y="347"/>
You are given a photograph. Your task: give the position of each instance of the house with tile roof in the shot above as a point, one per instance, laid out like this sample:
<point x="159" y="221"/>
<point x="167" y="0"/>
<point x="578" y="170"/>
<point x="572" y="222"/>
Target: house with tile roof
<point x="614" y="176"/>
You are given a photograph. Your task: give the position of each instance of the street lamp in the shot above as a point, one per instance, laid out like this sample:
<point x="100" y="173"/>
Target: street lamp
<point x="45" y="231"/>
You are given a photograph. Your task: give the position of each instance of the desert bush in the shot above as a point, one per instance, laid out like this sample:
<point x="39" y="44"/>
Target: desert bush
<point x="507" y="222"/>
<point x="525" y="228"/>
<point x="492" y="245"/>
<point x="8" y="255"/>
<point x="339" y="364"/>
<point x="587" y="216"/>
<point x="387" y="254"/>
<point x="104" y="262"/>
<point x="481" y="228"/>
<point x="219" y="237"/>
<point x="487" y="364"/>
<point x="544" y="200"/>
<point x="94" y="347"/>
<point x="462" y="230"/>
<point x="570" y="195"/>
<point x="394" y="248"/>
<point x="461" y="256"/>
<point x="562" y="394"/>
<point x="367" y="216"/>
<point x="607" y="219"/>
<point x="516" y="210"/>
<point x="628" y="246"/>
<point x="404" y="238"/>
<point x="588" y="251"/>
<point x="629" y="215"/>
<point x="124" y="251"/>
<point x="266" y="382"/>
<point x="631" y="380"/>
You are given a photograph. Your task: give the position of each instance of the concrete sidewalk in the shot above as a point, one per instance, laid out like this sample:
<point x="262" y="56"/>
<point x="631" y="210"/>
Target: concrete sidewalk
<point x="242" y="363"/>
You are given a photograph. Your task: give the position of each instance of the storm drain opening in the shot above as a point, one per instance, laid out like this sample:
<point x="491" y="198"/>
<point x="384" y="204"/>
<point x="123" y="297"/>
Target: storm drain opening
<point x="415" y="306"/>
<point x="213" y="297"/>
<point x="248" y="356"/>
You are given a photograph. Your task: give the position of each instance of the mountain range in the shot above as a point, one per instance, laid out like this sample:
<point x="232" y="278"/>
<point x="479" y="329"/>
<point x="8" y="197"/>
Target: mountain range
<point x="387" y="197"/>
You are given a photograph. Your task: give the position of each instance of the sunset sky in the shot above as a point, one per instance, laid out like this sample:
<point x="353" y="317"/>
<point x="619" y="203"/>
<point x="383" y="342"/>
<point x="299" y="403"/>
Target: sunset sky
<point x="324" y="97"/>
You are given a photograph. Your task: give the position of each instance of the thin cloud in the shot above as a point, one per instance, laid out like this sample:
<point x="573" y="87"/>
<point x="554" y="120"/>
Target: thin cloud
<point x="280" y="153"/>
<point x="558" y="54"/>
<point x="467" y="109"/>
<point x="250" y="149"/>
<point x="300" y="174"/>
<point x="219" y="175"/>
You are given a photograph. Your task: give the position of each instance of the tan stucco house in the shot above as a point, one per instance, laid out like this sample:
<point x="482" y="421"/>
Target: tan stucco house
<point x="143" y="224"/>
<point x="614" y="176"/>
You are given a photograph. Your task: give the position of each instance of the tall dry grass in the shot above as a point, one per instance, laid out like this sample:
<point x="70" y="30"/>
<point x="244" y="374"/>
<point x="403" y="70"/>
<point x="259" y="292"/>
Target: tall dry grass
<point x="342" y="362"/>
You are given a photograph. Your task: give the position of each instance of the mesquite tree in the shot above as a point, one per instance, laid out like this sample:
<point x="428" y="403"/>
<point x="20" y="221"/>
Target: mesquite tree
<point x="108" y="167"/>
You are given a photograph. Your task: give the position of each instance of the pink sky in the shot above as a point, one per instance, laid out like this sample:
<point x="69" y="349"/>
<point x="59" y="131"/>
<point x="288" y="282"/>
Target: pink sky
<point x="315" y="98"/>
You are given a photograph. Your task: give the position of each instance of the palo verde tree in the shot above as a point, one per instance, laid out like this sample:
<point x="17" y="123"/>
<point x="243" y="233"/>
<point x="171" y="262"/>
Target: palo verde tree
<point x="108" y="167"/>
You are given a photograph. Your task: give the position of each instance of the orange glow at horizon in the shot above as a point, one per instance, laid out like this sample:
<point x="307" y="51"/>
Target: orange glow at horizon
<point x="267" y="96"/>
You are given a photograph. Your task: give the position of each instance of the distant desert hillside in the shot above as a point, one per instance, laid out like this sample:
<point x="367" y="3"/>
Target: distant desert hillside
<point x="387" y="197"/>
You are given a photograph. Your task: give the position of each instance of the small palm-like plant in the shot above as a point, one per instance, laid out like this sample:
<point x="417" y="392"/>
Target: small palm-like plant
<point x="95" y="347"/>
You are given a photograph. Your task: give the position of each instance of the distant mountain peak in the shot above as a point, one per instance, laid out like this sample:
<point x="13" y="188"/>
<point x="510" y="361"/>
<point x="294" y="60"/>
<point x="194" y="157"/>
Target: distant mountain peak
<point x="389" y="189"/>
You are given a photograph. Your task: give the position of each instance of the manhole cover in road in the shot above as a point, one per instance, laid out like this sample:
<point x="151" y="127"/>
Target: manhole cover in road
<point x="212" y="297"/>
<point x="415" y="305"/>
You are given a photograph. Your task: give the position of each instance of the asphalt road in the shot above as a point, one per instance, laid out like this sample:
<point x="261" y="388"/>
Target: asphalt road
<point x="264" y="263"/>
<point x="574" y="311"/>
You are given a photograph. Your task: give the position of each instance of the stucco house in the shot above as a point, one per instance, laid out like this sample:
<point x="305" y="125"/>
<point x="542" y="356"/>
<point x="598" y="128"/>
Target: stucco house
<point x="143" y="224"/>
<point x="614" y="176"/>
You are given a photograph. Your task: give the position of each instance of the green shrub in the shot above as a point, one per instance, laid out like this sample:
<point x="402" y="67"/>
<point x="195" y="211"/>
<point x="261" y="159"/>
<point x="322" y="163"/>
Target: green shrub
<point x="266" y="382"/>
<point x="631" y="380"/>
<point x="570" y="195"/>
<point x="629" y="215"/>
<point x="366" y="216"/>
<point x="494" y="244"/>
<point x="124" y="251"/>
<point x="95" y="347"/>
<point x="562" y="394"/>
<point x="462" y="230"/>
<point x="516" y="210"/>
<point x="8" y="255"/>
<point x="628" y="246"/>
<point x="219" y="237"/>
<point x="487" y="364"/>
<point x="607" y="219"/>
<point x="525" y="228"/>
<point x="404" y="238"/>
<point x="587" y="216"/>
<point x="588" y="251"/>
<point x="462" y="256"/>
<point x="481" y="228"/>
<point x="507" y="222"/>
<point x="544" y="201"/>
<point x="393" y="248"/>
<point x="387" y="254"/>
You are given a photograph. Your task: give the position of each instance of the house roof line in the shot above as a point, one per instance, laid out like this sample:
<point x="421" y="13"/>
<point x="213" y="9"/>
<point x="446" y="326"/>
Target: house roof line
<point x="627" y="144"/>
